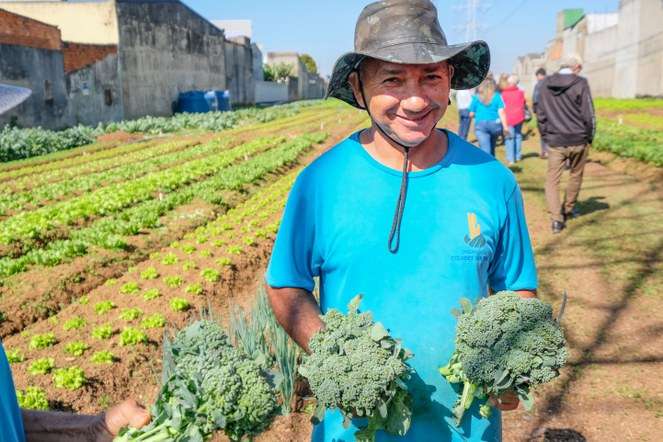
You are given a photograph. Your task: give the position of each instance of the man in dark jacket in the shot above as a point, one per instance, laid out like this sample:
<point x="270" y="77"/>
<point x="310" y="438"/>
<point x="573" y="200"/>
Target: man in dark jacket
<point x="567" y="123"/>
<point x="540" y="76"/>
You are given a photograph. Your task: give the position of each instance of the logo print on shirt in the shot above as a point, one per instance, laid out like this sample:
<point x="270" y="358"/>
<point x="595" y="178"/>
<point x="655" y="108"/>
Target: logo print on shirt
<point x="474" y="238"/>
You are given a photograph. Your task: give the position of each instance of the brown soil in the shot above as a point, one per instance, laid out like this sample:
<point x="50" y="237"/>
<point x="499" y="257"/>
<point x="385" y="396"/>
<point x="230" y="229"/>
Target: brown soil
<point x="119" y="137"/>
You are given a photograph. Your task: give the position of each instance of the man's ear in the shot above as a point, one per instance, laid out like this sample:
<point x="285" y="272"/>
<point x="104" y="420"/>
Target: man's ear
<point x="353" y="79"/>
<point x="452" y="71"/>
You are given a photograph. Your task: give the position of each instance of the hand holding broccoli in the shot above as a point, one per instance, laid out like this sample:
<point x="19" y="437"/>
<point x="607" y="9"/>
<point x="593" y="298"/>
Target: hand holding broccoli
<point x="504" y="344"/>
<point x="357" y="367"/>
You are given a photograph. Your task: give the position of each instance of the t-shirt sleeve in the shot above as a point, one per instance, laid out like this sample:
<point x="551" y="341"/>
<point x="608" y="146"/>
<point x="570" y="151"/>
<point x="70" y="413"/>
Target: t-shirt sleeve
<point x="513" y="266"/>
<point x="294" y="261"/>
<point x="473" y="104"/>
<point x="499" y="101"/>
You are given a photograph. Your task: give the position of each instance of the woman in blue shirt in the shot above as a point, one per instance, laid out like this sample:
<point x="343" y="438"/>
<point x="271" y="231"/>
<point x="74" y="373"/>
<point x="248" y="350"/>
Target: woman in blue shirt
<point x="487" y="109"/>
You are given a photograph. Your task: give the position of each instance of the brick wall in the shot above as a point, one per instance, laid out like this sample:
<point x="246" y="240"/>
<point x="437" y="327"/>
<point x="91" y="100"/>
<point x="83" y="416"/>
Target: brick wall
<point x="22" y="31"/>
<point x="79" y="55"/>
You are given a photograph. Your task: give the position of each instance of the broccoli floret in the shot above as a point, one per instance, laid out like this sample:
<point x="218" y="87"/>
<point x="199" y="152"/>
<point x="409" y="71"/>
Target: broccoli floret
<point x="505" y="343"/>
<point x="356" y="367"/>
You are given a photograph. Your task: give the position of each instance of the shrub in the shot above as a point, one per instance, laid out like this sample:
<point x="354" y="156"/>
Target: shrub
<point x="33" y="398"/>
<point x="131" y="336"/>
<point x="149" y="273"/>
<point x="104" y="307"/>
<point x="179" y="304"/>
<point x="41" y="366"/>
<point x="71" y="378"/>
<point x="76" y="348"/>
<point x="130" y="288"/>
<point x="43" y="341"/>
<point x="151" y="294"/>
<point x="103" y="357"/>
<point x="131" y="314"/>
<point x="102" y="332"/>
<point x="156" y="320"/>
<point x="74" y="323"/>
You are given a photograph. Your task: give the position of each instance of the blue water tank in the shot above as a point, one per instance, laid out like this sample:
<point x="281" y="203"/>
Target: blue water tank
<point x="193" y="102"/>
<point x="223" y="98"/>
<point x="212" y="100"/>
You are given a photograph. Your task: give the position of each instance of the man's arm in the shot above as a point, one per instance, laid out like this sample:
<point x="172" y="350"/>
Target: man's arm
<point x="297" y="312"/>
<point x="526" y="293"/>
<point x="49" y="426"/>
<point x="588" y="113"/>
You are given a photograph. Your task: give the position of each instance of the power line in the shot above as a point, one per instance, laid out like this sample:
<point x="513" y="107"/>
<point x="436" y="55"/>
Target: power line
<point x="508" y="16"/>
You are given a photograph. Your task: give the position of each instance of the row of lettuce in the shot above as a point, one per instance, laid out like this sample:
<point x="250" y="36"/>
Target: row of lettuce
<point x="20" y="143"/>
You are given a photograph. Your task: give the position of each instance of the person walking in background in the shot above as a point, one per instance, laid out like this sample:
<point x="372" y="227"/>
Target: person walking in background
<point x="463" y="100"/>
<point x="487" y="109"/>
<point x="567" y="122"/>
<point x="514" y="107"/>
<point x="540" y="76"/>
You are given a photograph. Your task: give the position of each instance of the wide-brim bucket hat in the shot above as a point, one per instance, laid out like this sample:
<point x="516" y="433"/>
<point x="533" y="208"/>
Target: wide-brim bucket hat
<point x="12" y="96"/>
<point x="407" y="32"/>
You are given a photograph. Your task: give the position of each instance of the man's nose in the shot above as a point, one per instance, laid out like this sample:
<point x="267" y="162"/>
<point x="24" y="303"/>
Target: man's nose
<point x="415" y="100"/>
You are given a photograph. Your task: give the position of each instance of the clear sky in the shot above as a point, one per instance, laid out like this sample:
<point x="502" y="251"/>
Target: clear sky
<point x="325" y="28"/>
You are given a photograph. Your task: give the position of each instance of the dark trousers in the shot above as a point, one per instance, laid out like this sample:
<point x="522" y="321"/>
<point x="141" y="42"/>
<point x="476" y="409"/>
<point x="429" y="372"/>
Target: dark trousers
<point x="464" y="121"/>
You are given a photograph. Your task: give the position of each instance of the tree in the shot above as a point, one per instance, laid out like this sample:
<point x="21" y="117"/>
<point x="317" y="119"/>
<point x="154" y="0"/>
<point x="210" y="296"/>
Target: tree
<point x="309" y="62"/>
<point x="277" y="71"/>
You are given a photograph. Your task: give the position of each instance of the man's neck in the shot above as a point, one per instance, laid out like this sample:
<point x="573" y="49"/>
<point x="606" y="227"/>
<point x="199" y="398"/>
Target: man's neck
<point x="390" y="154"/>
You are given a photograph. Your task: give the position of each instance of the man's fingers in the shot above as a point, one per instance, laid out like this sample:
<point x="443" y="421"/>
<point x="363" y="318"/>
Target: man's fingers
<point x="128" y="413"/>
<point x="506" y="402"/>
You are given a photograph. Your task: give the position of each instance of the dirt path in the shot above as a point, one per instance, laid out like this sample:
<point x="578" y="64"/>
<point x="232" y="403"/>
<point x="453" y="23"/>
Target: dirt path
<point x="610" y="261"/>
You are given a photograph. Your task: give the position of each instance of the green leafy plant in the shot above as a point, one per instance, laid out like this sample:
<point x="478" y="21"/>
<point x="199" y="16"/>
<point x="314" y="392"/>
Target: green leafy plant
<point x="151" y="294"/>
<point x="169" y="259"/>
<point x="149" y="273"/>
<point x="157" y="320"/>
<point x="210" y="275"/>
<point x="179" y="304"/>
<point x="173" y="281"/>
<point x="131" y="336"/>
<point x="84" y="300"/>
<point x="194" y="289"/>
<point x="32" y="398"/>
<point x="110" y="282"/>
<point x="505" y="343"/>
<point x="224" y="262"/>
<point x="130" y="288"/>
<point x="131" y="314"/>
<point x="103" y="307"/>
<point x="188" y="249"/>
<point x="374" y="389"/>
<point x="76" y="348"/>
<point x="74" y="323"/>
<point x="207" y="386"/>
<point x="103" y="332"/>
<point x="14" y="356"/>
<point x="189" y="265"/>
<point x="44" y="340"/>
<point x="71" y="378"/>
<point x="103" y="357"/>
<point x="41" y="366"/>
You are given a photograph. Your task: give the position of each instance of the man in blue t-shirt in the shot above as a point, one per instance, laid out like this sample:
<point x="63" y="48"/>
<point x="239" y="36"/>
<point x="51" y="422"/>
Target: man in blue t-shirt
<point x="458" y="229"/>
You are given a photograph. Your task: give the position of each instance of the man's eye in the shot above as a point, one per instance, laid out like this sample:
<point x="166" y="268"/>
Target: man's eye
<point x="392" y="80"/>
<point x="433" y="77"/>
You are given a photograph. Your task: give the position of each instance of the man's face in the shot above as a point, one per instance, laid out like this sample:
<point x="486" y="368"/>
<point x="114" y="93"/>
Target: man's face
<point x="406" y="100"/>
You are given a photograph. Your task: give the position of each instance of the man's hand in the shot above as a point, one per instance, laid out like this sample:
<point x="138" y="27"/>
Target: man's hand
<point x="507" y="401"/>
<point x="126" y="414"/>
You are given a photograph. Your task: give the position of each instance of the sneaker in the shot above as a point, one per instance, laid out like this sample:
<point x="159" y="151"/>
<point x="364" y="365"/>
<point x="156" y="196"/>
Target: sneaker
<point x="557" y="226"/>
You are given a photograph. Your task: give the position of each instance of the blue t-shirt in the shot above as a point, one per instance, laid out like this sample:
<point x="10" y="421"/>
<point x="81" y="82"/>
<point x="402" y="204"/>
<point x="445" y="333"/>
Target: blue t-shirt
<point x="489" y="112"/>
<point x="463" y="231"/>
<point x="11" y="422"/>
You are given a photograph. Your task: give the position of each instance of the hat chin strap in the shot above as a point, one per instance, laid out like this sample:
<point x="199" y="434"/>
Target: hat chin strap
<point x="395" y="233"/>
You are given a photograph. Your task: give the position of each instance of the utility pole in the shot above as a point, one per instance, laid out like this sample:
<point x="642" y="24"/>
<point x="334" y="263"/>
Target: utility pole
<point x="471" y="9"/>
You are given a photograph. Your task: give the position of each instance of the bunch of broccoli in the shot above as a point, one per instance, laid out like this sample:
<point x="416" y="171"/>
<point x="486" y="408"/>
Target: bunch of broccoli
<point x="207" y="385"/>
<point x="505" y="343"/>
<point x="356" y="367"/>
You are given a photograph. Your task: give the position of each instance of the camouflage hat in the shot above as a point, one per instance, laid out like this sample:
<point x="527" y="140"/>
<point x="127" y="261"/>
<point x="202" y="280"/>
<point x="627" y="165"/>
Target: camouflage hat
<point x="407" y="32"/>
<point x="12" y="96"/>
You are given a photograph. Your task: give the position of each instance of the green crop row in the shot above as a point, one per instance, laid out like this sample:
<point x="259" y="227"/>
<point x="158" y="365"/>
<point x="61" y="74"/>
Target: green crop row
<point x="620" y="104"/>
<point x="18" y="143"/>
<point x="32" y="227"/>
<point x="107" y="232"/>
<point x="626" y="141"/>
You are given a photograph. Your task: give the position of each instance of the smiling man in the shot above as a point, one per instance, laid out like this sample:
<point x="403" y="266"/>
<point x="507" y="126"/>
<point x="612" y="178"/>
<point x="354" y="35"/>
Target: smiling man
<point x="411" y="216"/>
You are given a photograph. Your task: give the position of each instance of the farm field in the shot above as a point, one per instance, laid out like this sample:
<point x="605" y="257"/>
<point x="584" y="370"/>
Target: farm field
<point x="104" y="247"/>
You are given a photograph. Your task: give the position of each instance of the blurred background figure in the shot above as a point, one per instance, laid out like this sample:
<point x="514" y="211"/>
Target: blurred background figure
<point x="514" y="107"/>
<point x="487" y="109"/>
<point x="540" y="76"/>
<point x="463" y="101"/>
